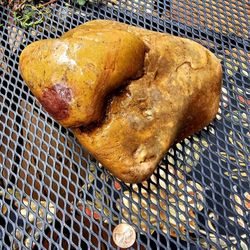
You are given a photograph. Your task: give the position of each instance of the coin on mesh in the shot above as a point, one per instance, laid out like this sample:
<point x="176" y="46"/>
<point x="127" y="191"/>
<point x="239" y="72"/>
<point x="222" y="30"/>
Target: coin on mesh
<point x="124" y="235"/>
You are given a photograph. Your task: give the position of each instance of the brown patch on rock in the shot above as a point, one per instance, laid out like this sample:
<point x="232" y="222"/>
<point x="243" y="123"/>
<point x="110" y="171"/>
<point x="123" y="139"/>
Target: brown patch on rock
<point x="56" y="100"/>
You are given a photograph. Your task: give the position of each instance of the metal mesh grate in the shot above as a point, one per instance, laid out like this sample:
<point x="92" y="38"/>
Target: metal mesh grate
<point x="54" y="195"/>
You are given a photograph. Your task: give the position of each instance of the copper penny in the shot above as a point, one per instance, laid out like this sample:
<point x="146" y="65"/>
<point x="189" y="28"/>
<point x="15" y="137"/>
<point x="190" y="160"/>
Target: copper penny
<point x="124" y="235"/>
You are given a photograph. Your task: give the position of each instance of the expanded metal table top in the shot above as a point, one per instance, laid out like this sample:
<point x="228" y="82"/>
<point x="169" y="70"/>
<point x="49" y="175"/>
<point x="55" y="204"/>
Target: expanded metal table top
<point x="54" y="195"/>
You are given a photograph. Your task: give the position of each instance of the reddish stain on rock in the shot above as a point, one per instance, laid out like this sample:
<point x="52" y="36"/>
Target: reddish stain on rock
<point x="56" y="101"/>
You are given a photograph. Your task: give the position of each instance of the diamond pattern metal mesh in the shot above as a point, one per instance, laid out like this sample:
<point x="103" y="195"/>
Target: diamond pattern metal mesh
<point x="54" y="195"/>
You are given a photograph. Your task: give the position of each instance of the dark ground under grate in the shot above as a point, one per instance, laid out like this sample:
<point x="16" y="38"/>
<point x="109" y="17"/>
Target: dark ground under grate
<point x="54" y="195"/>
